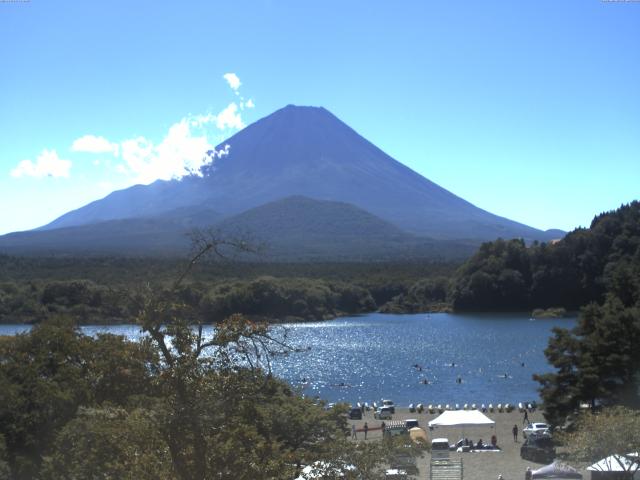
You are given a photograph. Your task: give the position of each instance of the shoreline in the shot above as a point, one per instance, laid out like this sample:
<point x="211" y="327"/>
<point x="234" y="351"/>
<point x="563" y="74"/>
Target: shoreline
<point x="477" y="466"/>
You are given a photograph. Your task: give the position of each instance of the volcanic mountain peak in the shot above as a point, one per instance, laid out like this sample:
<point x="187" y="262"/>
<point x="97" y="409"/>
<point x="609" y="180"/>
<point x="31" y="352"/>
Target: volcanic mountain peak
<point x="308" y="151"/>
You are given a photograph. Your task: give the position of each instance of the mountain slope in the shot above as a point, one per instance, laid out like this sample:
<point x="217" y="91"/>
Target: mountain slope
<point x="302" y="228"/>
<point x="308" y="151"/>
<point x="294" y="228"/>
<point x="168" y="234"/>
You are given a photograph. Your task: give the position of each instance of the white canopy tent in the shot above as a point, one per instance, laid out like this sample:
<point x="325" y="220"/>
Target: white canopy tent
<point x="462" y="418"/>
<point x="618" y="463"/>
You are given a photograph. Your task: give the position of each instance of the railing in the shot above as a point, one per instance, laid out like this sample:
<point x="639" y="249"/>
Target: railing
<point x="446" y="470"/>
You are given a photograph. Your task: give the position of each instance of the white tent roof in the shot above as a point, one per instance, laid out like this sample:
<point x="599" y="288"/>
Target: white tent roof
<point x="461" y="418"/>
<point x="556" y="470"/>
<point x="615" y="463"/>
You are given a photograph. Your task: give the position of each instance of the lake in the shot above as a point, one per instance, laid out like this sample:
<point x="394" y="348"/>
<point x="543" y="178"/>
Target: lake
<point x="369" y="357"/>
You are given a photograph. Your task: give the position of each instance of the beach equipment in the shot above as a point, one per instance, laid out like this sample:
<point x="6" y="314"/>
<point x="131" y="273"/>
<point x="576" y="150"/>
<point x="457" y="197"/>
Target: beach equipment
<point x="491" y="407"/>
<point x="417" y="434"/>
<point x="508" y="407"/>
<point x="520" y="407"/>
<point x="466" y="406"/>
<point x="430" y="409"/>
<point x="483" y="408"/>
<point x="500" y="407"/>
<point x="440" y="409"/>
<point x="447" y="407"/>
<point x="412" y="408"/>
<point x="473" y="406"/>
<point x="457" y="407"/>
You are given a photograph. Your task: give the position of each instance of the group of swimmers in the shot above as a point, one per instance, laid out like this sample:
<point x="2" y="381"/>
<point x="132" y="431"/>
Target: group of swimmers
<point x="424" y="381"/>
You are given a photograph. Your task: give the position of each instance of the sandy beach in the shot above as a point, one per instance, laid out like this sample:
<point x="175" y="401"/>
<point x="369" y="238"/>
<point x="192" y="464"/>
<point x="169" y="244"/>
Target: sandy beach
<point x="477" y="466"/>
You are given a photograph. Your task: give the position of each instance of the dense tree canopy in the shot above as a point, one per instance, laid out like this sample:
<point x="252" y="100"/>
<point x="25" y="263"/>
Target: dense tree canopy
<point x="613" y="433"/>
<point x="580" y="268"/>
<point x="598" y="362"/>
<point x="178" y="404"/>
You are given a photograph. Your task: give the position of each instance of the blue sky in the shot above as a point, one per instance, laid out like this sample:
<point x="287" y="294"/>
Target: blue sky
<point x="530" y="109"/>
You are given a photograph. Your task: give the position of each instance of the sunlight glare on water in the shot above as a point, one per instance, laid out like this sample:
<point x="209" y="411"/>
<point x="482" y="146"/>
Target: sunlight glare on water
<point x="370" y="357"/>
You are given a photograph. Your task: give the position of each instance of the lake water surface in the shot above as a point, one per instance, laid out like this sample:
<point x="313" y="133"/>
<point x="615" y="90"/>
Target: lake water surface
<point x="368" y="357"/>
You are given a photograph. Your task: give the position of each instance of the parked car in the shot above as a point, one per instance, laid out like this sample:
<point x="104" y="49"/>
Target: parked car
<point x="395" y="474"/>
<point x="538" y="448"/>
<point x="440" y="449"/>
<point x="355" y="413"/>
<point x="411" y="422"/>
<point x="390" y="404"/>
<point x="383" y="413"/>
<point x="404" y="462"/>
<point x="536" y="429"/>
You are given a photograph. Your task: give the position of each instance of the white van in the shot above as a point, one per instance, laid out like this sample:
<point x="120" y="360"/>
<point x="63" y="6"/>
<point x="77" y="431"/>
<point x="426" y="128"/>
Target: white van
<point x="440" y="449"/>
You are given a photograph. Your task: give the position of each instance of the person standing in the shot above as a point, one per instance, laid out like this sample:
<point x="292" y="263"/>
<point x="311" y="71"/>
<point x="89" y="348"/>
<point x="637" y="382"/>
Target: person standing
<point x="382" y="427"/>
<point x="528" y="475"/>
<point x="525" y="420"/>
<point x="366" y="429"/>
<point x="515" y="433"/>
<point x="354" y="435"/>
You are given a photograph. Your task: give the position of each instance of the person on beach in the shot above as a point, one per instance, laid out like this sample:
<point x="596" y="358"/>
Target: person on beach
<point x="366" y="429"/>
<point x="525" y="420"/>
<point x="354" y="435"/>
<point x="528" y="475"/>
<point x="515" y="433"/>
<point x="382" y="425"/>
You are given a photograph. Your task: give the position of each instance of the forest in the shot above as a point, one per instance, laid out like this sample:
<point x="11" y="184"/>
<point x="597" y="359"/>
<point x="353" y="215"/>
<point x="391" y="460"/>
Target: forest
<point x="596" y="270"/>
<point x="106" y="290"/>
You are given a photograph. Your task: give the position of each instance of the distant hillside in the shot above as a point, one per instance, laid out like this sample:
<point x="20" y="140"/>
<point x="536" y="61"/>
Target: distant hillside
<point x="294" y="228"/>
<point x="302" y="228"/>
<point x="308" y="151"/>
<point x="168" y="235"/>
<point x="581" y="268"/>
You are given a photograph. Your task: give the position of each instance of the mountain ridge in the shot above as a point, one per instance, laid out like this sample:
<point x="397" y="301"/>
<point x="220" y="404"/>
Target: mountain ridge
<point x="295" y="228"/>
<point x="294" y="152"/>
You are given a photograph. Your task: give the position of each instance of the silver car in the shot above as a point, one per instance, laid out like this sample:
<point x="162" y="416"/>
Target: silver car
<point x="536" y="429"/>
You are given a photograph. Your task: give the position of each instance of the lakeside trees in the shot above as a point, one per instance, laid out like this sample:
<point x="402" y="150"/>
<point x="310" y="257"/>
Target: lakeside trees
<point x="581" y="268"/>
<point x="597" y="269"/>
<point x="103" y="290"/>
<point x="178" y="404"/>
<point x="612" y="434"/>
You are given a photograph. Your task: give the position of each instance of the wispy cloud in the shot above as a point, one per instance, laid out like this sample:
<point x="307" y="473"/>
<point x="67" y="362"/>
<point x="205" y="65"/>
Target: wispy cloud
<point x="94" y="144"/>
<point x="233" y="80"/>
<point x="181" y="152"/>
<point x="229" y="118"/>
<point x="185" y="148"/>
<point x="48" y="164"/>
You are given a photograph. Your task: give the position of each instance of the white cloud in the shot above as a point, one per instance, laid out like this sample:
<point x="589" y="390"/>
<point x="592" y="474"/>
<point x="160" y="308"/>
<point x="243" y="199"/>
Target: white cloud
<point x="94" y="144"/>
<point x="249" y="104"/>
<point x="233" y="80"/>
<point x="229" y="118"/>
<point x="48" y="164"/>
<point x="181" y="152"/>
